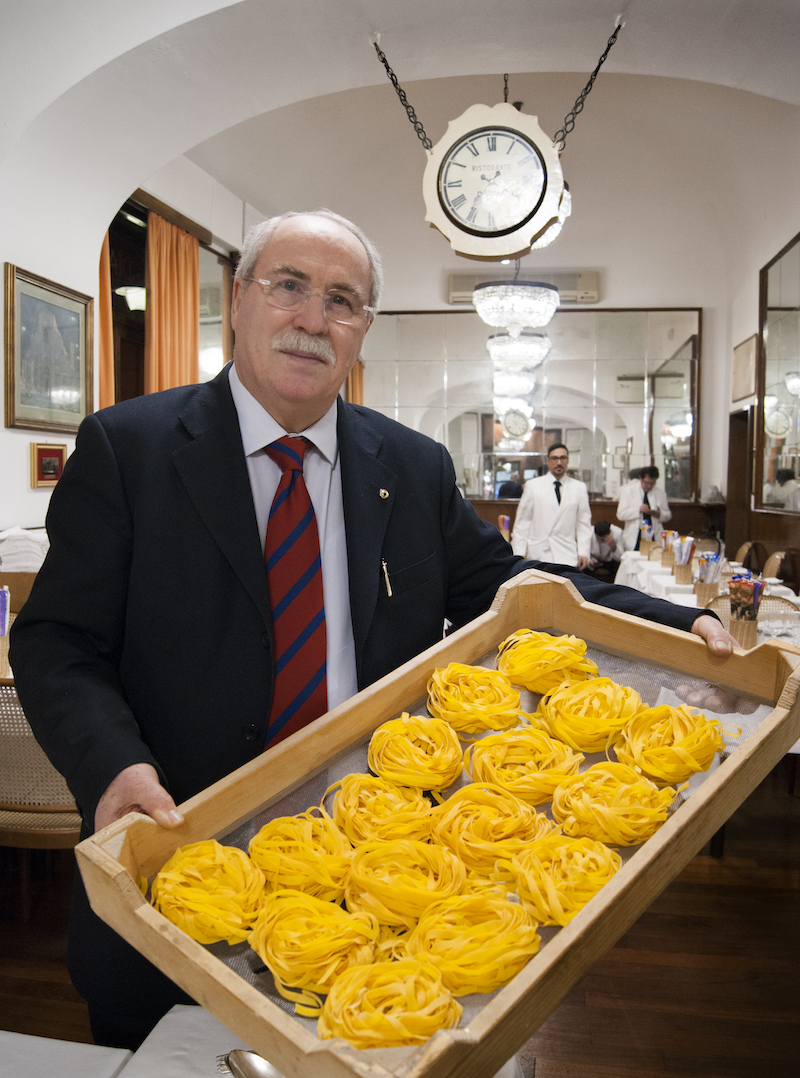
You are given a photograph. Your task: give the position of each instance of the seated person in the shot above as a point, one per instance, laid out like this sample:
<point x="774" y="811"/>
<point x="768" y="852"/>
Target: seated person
<point x="606" y="550"/>
<point x="509" y="489"/>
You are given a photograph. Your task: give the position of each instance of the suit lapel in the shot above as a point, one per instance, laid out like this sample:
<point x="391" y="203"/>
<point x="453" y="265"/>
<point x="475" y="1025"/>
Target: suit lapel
<point x="366" y="514"/>
<point x="214" y="473"/>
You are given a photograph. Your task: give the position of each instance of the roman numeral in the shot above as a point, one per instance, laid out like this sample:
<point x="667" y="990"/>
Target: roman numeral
<point x="491" y="220"/>
<point x="454" y="183"/>
<point x="471" y="214"/>
<point x="491" y="142"/>
<point x="472" y="149"/>
<point x="457" y="202"/>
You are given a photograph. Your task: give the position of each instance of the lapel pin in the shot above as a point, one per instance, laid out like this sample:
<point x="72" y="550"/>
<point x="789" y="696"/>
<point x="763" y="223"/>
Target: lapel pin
<point x="383" y="493"/>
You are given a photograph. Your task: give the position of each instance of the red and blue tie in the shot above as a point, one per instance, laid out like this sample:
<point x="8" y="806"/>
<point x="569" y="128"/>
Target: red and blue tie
<point x="294" y="575"/>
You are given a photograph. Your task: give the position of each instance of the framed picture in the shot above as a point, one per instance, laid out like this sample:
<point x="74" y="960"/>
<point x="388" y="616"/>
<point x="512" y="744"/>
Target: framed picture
<point x="744" y="369"/>
<point x="48" y="347"/>
<point x="47" y="463"/>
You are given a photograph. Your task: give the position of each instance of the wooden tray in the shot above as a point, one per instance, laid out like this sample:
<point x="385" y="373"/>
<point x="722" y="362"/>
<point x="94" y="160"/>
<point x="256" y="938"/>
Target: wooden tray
<point x="115" y="859"/>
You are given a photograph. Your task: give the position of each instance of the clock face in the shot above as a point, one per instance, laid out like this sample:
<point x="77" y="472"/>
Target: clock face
<point x="777" y="423"/>
<point x="516" y="423"/>
<point x="492" y="181"/>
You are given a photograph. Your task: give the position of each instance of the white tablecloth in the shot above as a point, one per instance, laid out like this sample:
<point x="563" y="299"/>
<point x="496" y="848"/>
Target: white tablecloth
<point x="187" y="1041"/>
<point x="22" y="1056"/>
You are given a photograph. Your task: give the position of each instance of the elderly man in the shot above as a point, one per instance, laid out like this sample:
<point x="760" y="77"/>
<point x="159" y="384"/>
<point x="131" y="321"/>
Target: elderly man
<point x="179" y="627"/>
<point x="553" y="521"/>
<point x="642" y="502"/>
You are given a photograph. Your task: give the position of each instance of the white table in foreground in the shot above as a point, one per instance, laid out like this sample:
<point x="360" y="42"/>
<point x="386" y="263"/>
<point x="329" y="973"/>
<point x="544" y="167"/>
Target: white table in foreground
<point x="187" y="1041"/>
<point x="22" y="1056"/>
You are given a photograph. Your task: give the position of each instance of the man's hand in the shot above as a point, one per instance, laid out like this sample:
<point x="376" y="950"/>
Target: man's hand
<point x="610" y="542"/>
<point x="582" y="562"/>
<point x="718" y="640"/>
<point x="137" y="789"/>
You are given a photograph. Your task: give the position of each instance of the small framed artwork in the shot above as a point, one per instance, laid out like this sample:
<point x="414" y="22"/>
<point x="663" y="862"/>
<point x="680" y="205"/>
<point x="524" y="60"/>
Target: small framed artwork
<point x="48" y="353"/>
<point x="744" y="369"/>
<point x="47" y="463"/>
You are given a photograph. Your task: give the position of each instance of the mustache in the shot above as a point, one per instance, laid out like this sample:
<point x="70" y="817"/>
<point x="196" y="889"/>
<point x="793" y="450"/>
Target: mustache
<point x="296" y="340"/>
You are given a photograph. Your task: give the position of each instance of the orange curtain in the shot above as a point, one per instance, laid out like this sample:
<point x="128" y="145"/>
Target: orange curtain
<point x="354" y="385"/>
<point x="105" y="331"/>
<point x="171" y="338"/>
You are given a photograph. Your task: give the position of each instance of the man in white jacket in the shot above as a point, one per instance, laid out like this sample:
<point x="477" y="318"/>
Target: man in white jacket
<point x="554" y="522"/>
<point x="642" y="501"/>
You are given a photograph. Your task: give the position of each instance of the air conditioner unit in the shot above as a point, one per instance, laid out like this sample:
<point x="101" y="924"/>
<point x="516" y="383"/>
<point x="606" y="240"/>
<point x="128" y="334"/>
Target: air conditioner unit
<point x="579" y="286"/>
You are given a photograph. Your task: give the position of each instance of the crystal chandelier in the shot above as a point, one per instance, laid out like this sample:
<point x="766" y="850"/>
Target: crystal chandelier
<point x="513" y="383"/>
<point x="513" y="305"/>
<point x="518" y="353"/>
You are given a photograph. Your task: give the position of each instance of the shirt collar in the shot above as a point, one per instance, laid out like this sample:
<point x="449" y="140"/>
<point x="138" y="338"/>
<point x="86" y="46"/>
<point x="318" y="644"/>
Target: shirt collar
<point x="258" y="428"/>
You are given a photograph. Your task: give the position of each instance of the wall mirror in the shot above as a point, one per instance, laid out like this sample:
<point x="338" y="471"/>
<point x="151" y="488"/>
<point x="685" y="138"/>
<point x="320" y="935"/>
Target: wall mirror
<point x="779" y="370"/>
<point x="618" y="387"/>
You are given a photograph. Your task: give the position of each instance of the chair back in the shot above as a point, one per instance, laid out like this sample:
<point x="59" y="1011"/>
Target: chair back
<point x="742" y="552"/>
<point x="772" y="565"/>
<point x="37" y="810"/>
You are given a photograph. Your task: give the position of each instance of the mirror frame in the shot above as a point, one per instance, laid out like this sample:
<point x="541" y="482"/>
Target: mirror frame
<point x="761" y="387"/>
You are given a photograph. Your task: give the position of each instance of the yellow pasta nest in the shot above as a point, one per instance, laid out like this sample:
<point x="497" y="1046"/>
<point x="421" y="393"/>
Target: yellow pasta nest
<point x="473" y="699"/>
<point x="306" y="943"/>
<point x="558" y="876"/>
<point x="417" y="751"/>
<point x="479" y="942"/>
<point x="670" y="744"/>
<point x="528" y="763"/>
<point x="397" y="881"/>
<point x="588" y="716"/>
<point x="306" y="852"/>
<point x="541" y="662"/>
<point x="483" y="823"/>
<point x="209" y="891"/>
<point x="388" y="1004"/>
<point x="367" y="809"/>
<point x="611" y="803"/>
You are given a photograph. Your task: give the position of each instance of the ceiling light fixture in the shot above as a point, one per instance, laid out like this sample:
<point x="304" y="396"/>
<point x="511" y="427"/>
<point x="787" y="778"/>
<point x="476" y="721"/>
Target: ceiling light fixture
<point x="515" y="305"/>
<point x="518" y="353"/>
<point x="135" y="296"/>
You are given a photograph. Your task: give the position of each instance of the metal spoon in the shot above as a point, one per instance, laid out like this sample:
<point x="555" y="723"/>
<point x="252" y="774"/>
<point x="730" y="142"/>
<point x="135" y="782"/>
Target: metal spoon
<point x="243" y="1063"/>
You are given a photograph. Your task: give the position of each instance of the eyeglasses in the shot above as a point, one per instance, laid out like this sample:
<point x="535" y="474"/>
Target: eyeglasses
<point x="289" y="294"/>
<point x="558" y="460"/>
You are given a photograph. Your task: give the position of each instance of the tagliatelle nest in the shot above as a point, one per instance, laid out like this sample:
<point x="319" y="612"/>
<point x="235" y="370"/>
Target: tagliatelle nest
<point x="483" y="823"/>
<point x="559" y="875"/>
<point x="670" y="744"/>
<point x="588" y="716"/>
<point x="306" y="943"/>
<point x="397" y="881"/>
<point x="611" y="803"/>
<point x="541" y="662"/>
<point x="370" y="809"/>
<point x="306" y="852"/>
<point x="473" y="699"/>
<point x="479" y="942"/>
<point x="528" y="763"/>
<point x="388" y="1004"/>
<point x="209" y="891"/>
<point x="417" y="751"/>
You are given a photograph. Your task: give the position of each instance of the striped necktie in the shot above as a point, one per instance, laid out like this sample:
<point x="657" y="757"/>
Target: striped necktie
<point x="294" y="575"/>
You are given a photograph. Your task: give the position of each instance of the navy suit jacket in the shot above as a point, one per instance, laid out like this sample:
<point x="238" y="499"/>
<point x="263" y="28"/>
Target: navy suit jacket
<point x="148" y="634"/>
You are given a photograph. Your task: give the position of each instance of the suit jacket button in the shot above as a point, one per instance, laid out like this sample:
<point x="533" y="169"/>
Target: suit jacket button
<point x="265" y="640"/>
<point x="250" y="732"/>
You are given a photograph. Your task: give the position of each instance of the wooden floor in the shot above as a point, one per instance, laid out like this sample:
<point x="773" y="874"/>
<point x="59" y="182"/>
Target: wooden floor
<point x="705" y="985"/>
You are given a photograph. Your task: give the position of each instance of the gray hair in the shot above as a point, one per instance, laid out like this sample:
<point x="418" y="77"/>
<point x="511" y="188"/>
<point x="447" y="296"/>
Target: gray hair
<point x="258" y="236"/>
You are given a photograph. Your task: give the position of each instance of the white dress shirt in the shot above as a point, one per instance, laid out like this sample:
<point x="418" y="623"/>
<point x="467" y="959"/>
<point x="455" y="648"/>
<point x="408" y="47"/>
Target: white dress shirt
<point x="323" y="477"/>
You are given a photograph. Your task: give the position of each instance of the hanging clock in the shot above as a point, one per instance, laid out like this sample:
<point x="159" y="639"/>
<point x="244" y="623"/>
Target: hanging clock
<point x="777" y="423"/>
<point x="493" y="183"/>
<point x="516" y="424"/>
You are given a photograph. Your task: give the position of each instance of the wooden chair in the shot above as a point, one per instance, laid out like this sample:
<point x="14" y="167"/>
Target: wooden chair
<point x="742" y="552"/>
<point x="771" y="608"/>
<point x="37" y="811"/>
<point x="773" y="563"/>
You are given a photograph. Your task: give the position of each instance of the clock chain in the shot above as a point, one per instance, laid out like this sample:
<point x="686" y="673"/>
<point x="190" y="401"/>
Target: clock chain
<point x="560" y="137"/>
<point x="426" y="142"/>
